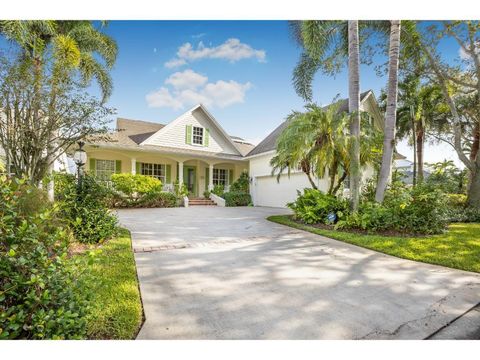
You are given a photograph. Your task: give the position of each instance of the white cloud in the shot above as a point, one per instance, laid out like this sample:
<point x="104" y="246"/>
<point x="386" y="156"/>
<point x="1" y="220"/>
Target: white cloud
<point x="198" y="36"/>
<point x="232" y="50"/>
<point x="175" y="63"/>
<point x="188" y="88"/>
<point x="187" y="79"/>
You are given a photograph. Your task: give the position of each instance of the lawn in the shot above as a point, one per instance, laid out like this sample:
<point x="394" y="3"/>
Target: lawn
<point x="116" y="311"/>
<point x="458" y="248"/>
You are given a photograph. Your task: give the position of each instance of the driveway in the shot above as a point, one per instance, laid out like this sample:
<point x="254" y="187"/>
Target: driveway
<point x="227" y="273"/>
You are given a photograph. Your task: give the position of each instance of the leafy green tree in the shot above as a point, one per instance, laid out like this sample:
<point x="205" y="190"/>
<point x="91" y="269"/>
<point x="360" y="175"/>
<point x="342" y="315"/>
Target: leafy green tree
<point x="316" y="143"/>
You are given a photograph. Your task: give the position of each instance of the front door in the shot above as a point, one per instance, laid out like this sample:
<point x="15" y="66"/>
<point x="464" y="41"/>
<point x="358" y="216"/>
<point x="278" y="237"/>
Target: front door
<point x="190" y="179"/>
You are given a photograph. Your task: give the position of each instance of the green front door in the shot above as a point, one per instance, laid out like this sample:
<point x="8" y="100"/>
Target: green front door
<point x="190" y="179"/>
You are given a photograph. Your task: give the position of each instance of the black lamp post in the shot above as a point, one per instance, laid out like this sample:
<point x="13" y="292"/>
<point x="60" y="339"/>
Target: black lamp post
<point x="80" y="159"/>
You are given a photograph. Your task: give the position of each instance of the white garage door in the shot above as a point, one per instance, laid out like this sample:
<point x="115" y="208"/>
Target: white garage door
<point x="269" y="192"/>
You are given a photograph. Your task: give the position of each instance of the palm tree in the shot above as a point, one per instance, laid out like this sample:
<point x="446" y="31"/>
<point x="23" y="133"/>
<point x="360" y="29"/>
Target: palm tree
<point x="315" y="141"/>
<point x="327" y="44"/>
<point x="421" y="109"/>
<point x="391" y="111"/>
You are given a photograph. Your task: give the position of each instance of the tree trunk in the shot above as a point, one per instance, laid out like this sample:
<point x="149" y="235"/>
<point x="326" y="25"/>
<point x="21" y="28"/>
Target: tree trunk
<point x="309" y="176"/>
<point x="340" y="182"/>
<point x="473" y="197"/>
<point x="420" y="139"/>
<point x="414" y="132"/>
<point x="354" y="110"/>
<point x="391" y="113"/>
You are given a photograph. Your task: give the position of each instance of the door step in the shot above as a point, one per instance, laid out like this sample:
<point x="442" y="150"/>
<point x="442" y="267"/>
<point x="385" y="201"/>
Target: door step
<point x="200" y="201"/>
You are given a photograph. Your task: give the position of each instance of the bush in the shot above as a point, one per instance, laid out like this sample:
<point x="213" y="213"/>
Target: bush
<point x="458" y="210"/>
<point x="180" y="190"/>
<point x="218" y="190"/>
<point x="206" y="194"/>
<point x="420" y="210"/>
<point x="85" y="209"/>
<point x="242" y="184"/>
<point x="161" y="199"/>
<point x="237" y="199"/>
<point x="134" y="186"/>
<point x="313" y="206"/>
<point x="39" y="295"/>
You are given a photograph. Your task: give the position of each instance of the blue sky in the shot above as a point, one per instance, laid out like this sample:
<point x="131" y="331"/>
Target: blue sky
<point x="264" y="81"/>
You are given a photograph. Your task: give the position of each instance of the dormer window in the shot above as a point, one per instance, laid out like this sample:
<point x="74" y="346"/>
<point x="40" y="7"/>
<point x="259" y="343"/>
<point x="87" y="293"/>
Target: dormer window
<point x="197" y="138"/>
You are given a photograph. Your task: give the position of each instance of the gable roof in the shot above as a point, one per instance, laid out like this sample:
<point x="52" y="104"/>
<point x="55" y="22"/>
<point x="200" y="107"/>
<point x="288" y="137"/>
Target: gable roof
<point x="192" y="110"/>
<point x="270" y="142"/>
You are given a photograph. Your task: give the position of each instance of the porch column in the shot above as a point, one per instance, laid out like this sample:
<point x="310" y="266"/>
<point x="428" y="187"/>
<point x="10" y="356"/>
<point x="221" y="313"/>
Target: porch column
<point x="180" y="172"/>
<point x="134" y="166"/>
<point x="210" y="177"/>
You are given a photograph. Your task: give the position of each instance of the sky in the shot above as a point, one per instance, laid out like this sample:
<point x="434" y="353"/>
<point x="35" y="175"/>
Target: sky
<point x="240" y="70"/>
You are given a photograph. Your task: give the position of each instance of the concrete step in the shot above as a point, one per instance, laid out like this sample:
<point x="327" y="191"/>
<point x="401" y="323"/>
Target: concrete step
<point x="200" y="201"/>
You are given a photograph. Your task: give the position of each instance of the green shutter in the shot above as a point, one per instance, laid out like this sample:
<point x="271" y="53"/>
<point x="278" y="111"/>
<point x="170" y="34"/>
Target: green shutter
<point x="138" y="168"/>
<point x="230" y="177"/>
<point x="206" y="138"/>
<point x="92" y="166"/>
<point x="207" y="177"/>
<point x="118" y="166"/>
<point x="168" y="174"/>
<point x="188" y="134"/>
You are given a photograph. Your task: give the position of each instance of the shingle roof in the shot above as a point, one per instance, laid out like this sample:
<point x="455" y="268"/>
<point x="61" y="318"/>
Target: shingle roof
<point x="243" y="147"/>
<point x="270" y="142"/>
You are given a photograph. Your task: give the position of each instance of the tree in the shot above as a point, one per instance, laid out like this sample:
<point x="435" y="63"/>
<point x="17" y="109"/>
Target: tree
<point x="391" y="112"/>
<point x="421" y="110"/>
<point x="60" y="50"/>
<point x="327" y="44"/>
<point x="460" y="86"/>
<point x="316" y="142"/>
<point x="33" y="133"/>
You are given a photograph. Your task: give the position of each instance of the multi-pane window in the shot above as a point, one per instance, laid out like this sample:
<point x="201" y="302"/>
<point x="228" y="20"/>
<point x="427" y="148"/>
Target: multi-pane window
<point x="104" y="169"/>
<point x="154" y="170"/>
<point x="197" y="137"/>
<point x="220" y="177"/>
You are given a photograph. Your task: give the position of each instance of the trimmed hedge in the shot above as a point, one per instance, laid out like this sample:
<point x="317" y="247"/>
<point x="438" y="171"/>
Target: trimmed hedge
<point x="237" y="199"/>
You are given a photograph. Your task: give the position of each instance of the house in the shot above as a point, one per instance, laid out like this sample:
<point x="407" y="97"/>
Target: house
<point x="266" y="190"/>
<point x="195" y="150"/>
<point x="405" y="167"/>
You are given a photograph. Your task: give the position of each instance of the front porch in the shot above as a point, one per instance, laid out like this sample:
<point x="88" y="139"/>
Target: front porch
<point x="198" y="173"/>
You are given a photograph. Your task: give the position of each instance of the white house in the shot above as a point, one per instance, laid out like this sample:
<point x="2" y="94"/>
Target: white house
<point x="195" y="150"/>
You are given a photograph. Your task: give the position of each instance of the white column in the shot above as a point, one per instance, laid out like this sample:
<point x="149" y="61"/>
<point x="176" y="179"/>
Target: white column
<point x="134" y="166"/>
<point x="210" y="177"/>
<point x="180" y="172"/>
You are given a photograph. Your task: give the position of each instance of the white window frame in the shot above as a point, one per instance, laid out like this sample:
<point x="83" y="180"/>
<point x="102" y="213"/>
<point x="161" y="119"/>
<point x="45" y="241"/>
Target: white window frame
<point x="158" y="171"/>
<point x="216" y="177"/>
<point x="104" y="172"/>
<point x="198" y="136"/>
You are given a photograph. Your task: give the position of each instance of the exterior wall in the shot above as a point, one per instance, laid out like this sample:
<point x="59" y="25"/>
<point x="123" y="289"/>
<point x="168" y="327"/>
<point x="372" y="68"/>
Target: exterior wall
<point x="173" y="135"/>
<point x="267" y="191"/>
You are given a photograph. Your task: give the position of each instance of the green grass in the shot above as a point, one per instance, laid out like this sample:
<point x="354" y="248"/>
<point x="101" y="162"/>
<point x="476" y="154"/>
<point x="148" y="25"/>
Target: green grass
<point x="458" y="248"/>
<point x="116" y="308"/>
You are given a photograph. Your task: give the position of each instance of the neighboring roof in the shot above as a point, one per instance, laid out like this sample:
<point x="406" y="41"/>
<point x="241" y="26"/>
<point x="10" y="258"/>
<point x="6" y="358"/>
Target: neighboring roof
<point x="270" y="142"/>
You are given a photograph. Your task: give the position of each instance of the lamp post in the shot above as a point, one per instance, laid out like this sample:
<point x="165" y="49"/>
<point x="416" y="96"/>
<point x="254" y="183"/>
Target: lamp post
<point x="80" y="159"/>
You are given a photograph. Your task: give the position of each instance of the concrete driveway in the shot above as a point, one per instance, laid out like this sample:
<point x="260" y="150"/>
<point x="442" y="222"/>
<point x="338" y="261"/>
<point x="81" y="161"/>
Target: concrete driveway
<point x="227" y="273"/>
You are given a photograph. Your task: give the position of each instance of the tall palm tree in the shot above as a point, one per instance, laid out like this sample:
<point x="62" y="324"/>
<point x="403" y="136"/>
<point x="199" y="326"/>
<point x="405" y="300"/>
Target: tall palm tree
<point x="391" y="111"/>
<point x="327" y="45"/>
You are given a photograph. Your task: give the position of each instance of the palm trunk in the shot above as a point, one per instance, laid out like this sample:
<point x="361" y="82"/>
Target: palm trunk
<point x="354" y="109"/>
<point x="414" y="132"/>
<point x="391" y="113"/>
<point x="340" y="182"/>
<point x="420" y="139"/>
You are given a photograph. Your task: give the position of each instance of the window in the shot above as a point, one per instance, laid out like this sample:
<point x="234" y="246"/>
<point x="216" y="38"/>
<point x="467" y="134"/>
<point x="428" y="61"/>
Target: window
<point x="104" y="169"/>
<point x="154" y="170"/>
<point x="220" y="177"/>
<point x="197" y="137"/>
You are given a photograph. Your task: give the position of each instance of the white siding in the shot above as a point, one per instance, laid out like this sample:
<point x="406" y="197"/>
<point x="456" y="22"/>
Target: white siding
<point x="173" y="135"/>
<point x="267" y="191"/>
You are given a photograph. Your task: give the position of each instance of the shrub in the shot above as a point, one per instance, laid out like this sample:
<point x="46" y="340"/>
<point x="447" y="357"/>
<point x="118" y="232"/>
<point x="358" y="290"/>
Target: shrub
<point x="218" y="190"/>
<point x="242" y="184"/>
<point x="162" y="199"/>
<point x="458" y="211"/>
<point x="237" y="199"/>
<point x="314" y="206"/>
<point x="39" y="295"/>
<point x="206" y="194"/>
<point x="420" y="209"/>
<point x="180" y="190"/>
<point x="134" y="186"/>
<point x="85" y="209"/>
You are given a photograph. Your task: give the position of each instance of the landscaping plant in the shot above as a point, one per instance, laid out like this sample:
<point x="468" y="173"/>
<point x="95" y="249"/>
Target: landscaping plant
<point x="39" y="297"/>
